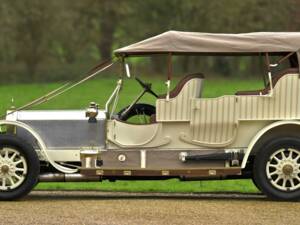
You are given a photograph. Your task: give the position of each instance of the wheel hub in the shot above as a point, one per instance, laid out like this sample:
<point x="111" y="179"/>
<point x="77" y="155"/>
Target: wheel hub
<point x="5" y="169"/>
<point x="287" y="170"/>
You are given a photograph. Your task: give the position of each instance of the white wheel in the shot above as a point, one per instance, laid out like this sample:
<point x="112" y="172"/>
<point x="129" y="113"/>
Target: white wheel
<point x="283" y="169"/>
<point x="19" y="167"/>
<point x="13" y="169"/>
<point x="276" y="168"/>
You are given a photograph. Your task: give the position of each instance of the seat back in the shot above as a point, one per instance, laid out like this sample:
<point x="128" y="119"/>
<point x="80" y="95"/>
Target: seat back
<point x="176" y="90"/>
<point x="275" y="79"/>
<point x="178" y="107"/>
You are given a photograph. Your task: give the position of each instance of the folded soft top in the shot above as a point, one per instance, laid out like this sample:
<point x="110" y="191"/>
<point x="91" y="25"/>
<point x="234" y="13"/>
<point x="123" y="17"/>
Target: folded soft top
<point x="177" y="42"/>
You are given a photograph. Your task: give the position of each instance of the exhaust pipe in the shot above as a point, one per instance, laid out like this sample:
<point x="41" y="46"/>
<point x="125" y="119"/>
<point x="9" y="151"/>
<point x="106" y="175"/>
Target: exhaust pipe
<point x="61" y="177"/>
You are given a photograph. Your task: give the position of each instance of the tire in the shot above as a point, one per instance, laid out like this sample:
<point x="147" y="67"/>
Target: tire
<point x="14" y="150"/>
<point x="137" y="109"/>
<point x="277" y="168"/>
<point x="255" y="183"/>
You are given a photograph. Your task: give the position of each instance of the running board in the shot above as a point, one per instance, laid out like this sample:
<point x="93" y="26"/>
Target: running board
<point x="207" y="172"/>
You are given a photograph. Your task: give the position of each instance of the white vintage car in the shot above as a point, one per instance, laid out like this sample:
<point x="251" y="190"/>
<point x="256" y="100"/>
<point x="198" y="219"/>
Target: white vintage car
<point x="252" y="134"/>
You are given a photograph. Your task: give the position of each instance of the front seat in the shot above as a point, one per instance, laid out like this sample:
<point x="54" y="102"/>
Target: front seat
<point x="196" y="89"/>
<point x="178" y="107"/>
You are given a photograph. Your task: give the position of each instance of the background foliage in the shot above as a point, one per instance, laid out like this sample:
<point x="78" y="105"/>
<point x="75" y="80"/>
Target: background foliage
<point x="60" y="39"/>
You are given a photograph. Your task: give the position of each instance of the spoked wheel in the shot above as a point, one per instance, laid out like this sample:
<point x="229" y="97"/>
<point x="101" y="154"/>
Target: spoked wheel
<point x="283" y="169"/>
<point x="13" y="169"/>
<point x="19" y="167"/>
<point x="277" y="169"/>
<point x="140" y="113"/>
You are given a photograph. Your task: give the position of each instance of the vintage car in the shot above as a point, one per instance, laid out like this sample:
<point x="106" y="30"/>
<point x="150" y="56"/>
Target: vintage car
<point x="252" y="134"/>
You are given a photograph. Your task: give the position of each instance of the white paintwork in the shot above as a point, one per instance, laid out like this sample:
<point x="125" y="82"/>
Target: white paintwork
<point x="168" y="83"/>
<point x="127" y="70"/>
<point x="261" y="133"/>
<point x="52" y="115"/>
<point x="115" y="93"/>
<point x="271" y="84"/>
<point x="143" y="159"/>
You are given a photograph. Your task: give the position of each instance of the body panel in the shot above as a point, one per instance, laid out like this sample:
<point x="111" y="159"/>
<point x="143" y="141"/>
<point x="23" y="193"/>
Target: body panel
<point x="57" y="128"/>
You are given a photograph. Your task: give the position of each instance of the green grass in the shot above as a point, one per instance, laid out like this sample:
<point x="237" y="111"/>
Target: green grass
<point x="173" y="185"/>
<point x="98" y="90"/>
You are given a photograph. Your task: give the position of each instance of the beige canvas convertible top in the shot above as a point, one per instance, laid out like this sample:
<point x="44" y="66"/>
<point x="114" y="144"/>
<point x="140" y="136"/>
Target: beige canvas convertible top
<point x="177" y="42"/>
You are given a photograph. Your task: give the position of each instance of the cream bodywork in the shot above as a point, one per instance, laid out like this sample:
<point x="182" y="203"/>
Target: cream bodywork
<point x="133" y="136"/>
<point x="261" y="133"/>
<point x="179" y="108"/>
<point x="225" y="122"/>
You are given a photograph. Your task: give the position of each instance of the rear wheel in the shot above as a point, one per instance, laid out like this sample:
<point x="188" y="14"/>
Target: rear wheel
<point x="277" y="168"/>
<point x="19" y="167"/>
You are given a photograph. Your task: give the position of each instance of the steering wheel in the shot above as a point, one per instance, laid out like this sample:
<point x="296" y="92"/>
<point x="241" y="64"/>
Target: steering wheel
<point x="146" y="87"/>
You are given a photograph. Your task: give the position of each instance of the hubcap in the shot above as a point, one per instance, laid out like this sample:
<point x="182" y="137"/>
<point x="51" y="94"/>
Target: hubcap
<point x="13" y="169"/>
<point x="5" y="169"/>
<point x="283" y="169"/>
<point x="287" y="170"/>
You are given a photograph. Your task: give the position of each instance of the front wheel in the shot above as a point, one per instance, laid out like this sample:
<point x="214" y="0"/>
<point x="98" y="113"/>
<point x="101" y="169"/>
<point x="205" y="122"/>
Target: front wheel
<point x="277" y="168"/>
<point x="19" y="167"/>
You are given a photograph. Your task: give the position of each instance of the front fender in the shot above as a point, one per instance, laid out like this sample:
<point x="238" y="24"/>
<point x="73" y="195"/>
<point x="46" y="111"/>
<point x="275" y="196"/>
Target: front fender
<point x="41" y="144"/>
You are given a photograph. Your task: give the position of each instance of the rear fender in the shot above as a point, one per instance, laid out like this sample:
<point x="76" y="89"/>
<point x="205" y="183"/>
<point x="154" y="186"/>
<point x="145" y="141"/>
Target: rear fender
<point x="261" y="133"/>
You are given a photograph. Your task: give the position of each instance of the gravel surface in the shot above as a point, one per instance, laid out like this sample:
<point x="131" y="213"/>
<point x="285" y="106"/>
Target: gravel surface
<point x="93" y="207"/>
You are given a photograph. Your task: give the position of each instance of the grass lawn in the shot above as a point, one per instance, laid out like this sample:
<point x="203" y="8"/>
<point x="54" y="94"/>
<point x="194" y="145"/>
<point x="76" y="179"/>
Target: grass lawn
<point x="98" y="90"/>
<point x="172" y="185"/>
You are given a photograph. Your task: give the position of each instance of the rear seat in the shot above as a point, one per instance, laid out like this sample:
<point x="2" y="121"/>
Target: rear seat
<point x="275" y="79"/>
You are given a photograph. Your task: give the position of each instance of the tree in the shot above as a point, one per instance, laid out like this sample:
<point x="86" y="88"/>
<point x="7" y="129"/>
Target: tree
<point x="102" y="18"/>
<point x="31" y="23"/>
<point x="38" y="33"/>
